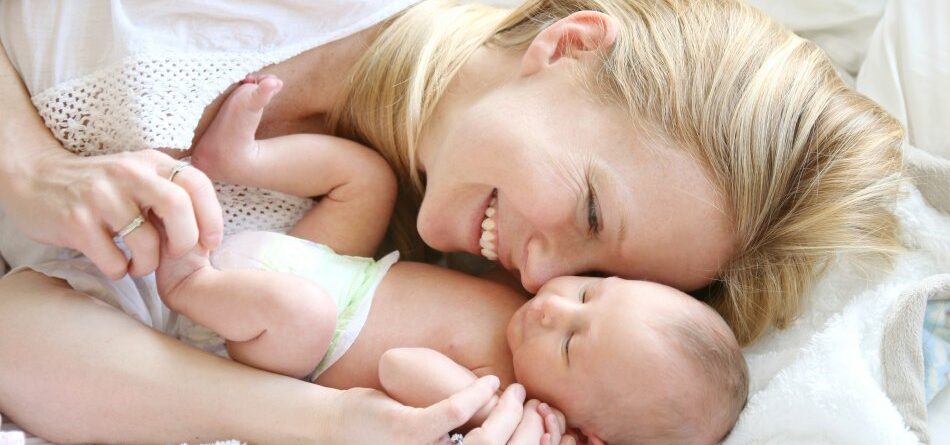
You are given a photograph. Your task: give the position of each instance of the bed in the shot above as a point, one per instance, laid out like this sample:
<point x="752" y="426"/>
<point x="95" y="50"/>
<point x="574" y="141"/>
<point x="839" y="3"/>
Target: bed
<point x="852" y="369"/>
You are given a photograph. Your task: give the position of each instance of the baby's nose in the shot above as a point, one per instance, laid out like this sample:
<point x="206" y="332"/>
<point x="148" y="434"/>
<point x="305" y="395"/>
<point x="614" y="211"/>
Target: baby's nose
<point x="555" y="311"/>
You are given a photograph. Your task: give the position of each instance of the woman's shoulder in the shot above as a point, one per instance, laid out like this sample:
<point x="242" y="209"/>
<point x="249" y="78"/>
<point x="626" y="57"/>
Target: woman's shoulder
<point x="51" y="41"/>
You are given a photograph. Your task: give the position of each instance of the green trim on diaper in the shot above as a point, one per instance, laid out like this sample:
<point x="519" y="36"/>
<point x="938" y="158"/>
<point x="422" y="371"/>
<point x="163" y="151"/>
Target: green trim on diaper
<point x="349" y="280"/>
<point x="355" y="299"/>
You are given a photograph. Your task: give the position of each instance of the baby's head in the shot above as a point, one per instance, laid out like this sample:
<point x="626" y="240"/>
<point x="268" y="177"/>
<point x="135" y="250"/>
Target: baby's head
<point x="629" y="361"/>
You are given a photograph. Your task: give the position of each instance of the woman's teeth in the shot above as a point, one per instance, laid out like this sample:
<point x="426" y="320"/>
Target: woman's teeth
<point x="489" y="238"/>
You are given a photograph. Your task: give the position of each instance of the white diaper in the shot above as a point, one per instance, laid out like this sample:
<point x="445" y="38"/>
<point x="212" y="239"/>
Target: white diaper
<point x="350" y="281"/>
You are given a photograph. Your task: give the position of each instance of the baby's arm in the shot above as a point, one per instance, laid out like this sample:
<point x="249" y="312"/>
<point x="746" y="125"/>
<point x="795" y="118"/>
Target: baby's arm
<point x="356" y="186"/>
<point x="421" y="376"/>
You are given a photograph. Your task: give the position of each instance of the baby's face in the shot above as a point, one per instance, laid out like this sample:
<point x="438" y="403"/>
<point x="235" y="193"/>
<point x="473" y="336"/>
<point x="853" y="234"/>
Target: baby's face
<point x="582" y="344"/>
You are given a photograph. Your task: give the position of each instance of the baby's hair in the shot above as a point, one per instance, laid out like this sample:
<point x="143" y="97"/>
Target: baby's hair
<point x="711" y="360"/>
<point x="808" y="167"/>
<point x="716" y="354"/>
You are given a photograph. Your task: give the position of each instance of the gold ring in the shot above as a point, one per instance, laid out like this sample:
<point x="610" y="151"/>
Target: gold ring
<point x="177" y="169"/>
<point x="138" y="221"/>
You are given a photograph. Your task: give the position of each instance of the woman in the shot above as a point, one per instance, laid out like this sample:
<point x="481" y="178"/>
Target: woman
<point x="645" y="139"/>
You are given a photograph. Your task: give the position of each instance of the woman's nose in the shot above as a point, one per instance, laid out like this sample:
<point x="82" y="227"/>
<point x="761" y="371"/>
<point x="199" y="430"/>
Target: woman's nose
<point x="542" y="264"/>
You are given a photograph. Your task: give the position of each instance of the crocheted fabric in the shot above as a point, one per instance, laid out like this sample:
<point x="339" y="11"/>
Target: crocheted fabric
<point x="156" y="102"/>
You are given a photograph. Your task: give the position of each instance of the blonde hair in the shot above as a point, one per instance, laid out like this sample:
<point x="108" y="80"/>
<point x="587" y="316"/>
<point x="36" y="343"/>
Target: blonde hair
<point x="706" y="388"/>
<point x="809" y="167"/>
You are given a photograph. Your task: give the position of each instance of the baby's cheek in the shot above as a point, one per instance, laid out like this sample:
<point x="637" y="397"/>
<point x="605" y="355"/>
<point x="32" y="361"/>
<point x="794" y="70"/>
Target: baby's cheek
<point x="526" y="373"/>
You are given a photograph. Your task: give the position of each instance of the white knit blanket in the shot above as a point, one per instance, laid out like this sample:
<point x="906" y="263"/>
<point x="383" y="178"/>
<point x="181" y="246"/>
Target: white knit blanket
<point x="821" y="381"/>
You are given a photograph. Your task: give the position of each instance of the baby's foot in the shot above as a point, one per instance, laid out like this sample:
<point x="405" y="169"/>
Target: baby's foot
<point x="173" y="274"/>
<point x="228" y="147"/>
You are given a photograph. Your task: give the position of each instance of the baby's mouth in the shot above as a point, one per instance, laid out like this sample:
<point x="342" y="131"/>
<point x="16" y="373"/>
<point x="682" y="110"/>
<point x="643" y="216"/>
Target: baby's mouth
<point x="489" y="238"/>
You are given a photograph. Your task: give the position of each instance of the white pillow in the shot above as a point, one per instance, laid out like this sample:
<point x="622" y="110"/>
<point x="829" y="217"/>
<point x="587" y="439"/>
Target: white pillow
<point x="841" y="27"/>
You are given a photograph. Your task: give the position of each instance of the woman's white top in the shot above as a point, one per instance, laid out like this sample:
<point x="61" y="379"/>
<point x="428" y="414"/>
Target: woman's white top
<point x="110" y="76"/>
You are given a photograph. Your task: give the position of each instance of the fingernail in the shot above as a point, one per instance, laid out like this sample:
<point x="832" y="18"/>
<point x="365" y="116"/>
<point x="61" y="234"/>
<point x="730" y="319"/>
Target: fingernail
<point x="518" y="391"/>
<point x="570" y="441"/>
<point x="494" y="382"/>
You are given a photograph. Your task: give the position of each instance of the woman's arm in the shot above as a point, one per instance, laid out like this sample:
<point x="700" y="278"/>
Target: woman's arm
<point x="74" y="370"/>
<point x="58" y="198"/>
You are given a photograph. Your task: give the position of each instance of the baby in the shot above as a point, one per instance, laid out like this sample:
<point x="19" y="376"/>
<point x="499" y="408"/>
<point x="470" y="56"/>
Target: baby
<point x="625" y="361"/>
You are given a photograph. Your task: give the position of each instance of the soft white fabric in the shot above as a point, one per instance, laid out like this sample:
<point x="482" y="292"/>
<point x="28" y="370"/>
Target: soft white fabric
<point x="902" y="355"/>
<point x="907" y="70"/>
<point x="12" y="437"/>
<point x="821" y="380"/>
<point x="51" y="41"/>
<point x="841" y="27"/>
<point x="939" y="418"/>
<point x="116" y="76"/>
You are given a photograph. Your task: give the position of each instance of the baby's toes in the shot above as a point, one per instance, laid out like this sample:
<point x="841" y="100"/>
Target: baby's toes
<point x="267" y="87"/>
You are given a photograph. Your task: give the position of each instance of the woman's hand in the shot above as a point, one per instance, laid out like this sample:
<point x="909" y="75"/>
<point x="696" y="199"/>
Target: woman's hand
<point x="514" y="422"/>
<point x="368" y="416"/>
<point x="83" y="202"/>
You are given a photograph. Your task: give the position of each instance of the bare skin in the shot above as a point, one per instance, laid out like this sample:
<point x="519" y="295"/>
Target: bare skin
<point x="70" y="350"/>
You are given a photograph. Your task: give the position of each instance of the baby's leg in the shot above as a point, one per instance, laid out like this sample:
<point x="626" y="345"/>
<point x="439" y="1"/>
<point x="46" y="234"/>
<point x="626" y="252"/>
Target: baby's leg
<point x="274" y="321"/>
<point x="228" y="147"/>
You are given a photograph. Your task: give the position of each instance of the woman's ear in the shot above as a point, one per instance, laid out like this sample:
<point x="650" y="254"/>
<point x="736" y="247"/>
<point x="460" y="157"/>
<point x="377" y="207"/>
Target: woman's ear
<point x="578" y="33"/>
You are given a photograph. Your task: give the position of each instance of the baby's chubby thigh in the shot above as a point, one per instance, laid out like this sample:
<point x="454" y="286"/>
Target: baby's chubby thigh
<point x="294" y="323"/>
<point x="273" y="320"/>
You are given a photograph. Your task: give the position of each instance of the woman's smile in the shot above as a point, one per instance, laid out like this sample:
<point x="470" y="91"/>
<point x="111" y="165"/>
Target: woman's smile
<point x="488" y="233"/>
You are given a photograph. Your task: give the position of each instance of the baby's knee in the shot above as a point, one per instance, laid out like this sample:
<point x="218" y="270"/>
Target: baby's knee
<point x="311" y="321"/>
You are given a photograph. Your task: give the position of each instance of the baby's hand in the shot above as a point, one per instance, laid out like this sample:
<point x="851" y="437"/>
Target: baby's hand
<point x="555" y="425"/>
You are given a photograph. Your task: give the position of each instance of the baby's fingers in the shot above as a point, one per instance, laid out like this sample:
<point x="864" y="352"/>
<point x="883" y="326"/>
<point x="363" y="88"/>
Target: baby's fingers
<point x="554" y="423"/>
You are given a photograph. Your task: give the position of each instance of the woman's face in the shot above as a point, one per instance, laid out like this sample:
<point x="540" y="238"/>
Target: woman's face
<point x="570" y="185"/>
<point x="579" y="190"/>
